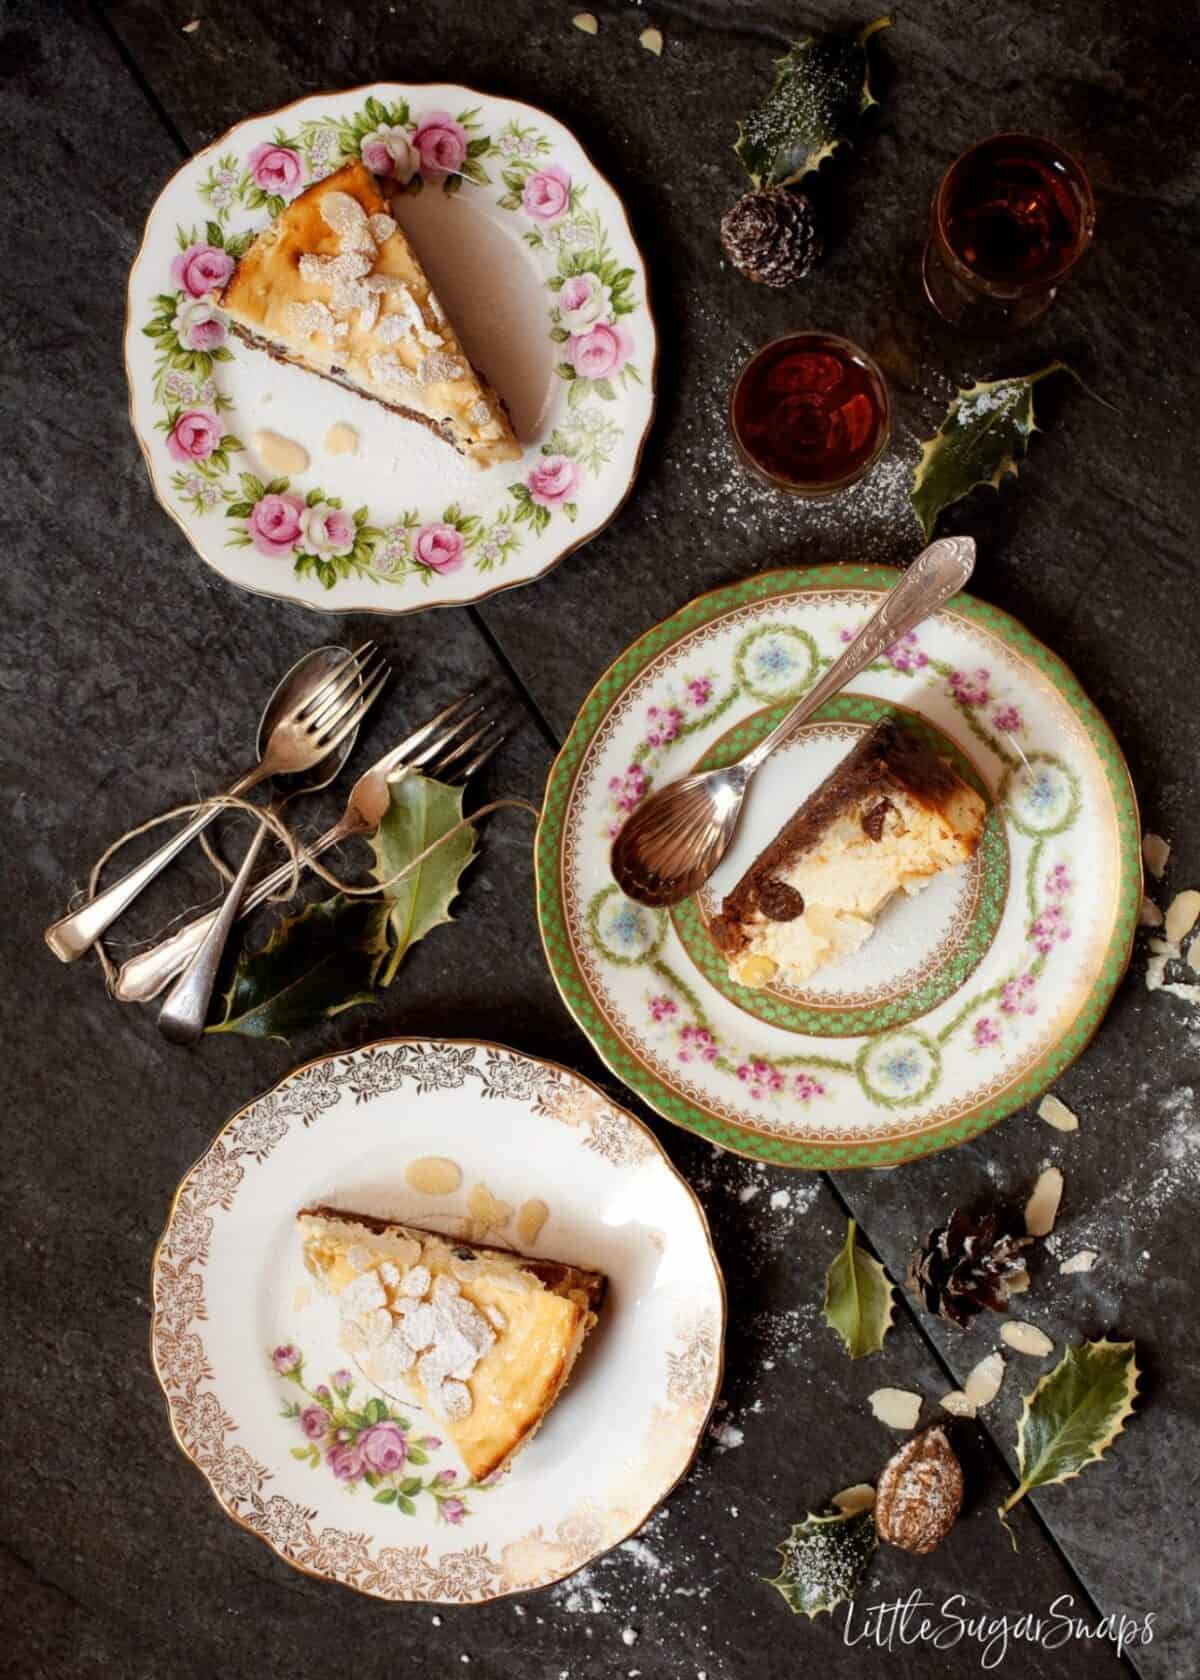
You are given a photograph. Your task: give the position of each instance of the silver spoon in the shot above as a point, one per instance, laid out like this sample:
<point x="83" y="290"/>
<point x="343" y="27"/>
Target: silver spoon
<point x="312" y="693"/>
<point x="674" y="840"/>
<point x="185" y="1010"/>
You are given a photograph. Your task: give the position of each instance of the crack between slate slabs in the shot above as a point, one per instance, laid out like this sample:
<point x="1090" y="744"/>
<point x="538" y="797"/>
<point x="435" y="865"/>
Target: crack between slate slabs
<point x="514" y="676"/>
<point x="1056" y="1546"/>
<point x="115" y="40"/>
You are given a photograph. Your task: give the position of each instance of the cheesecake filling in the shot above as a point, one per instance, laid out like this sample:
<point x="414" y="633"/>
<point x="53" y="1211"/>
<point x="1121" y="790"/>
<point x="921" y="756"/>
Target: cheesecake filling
<point x="840" y="884"/>
<point x="359" y="309"/>
<point x="481" y="1337"/>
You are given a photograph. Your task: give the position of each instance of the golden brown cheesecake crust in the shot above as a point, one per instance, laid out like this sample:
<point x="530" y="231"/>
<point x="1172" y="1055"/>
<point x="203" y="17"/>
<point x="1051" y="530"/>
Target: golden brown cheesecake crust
<point x="334" y="287"/>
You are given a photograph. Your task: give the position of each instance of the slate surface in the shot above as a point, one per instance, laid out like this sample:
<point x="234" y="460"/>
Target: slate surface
<point x="132" y="675"/>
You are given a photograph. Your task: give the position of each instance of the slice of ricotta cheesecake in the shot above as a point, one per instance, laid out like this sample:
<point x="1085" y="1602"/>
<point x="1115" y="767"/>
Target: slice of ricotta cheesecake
<point x="334" y="287"/>
<point x="482" y="1338"/>
<point x="888" y="818"/>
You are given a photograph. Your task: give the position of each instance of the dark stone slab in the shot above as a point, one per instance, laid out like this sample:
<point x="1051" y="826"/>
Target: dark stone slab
<point x="131" y="671"/>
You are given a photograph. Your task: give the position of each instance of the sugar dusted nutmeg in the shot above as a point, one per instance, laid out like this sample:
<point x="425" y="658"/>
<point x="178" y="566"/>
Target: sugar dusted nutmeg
<point x="919" y="1493"/>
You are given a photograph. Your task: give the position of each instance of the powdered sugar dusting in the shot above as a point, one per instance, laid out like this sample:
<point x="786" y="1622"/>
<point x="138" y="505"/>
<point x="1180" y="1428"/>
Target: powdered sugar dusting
<point x="872" y="521"/>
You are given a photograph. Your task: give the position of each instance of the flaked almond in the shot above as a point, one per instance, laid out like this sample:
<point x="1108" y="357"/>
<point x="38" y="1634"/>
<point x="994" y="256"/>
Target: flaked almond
<point x="1182" y="913"/>
<point x="1150" y="915"/>
<point x="587" y="22"/>
<point x="1026" y="1338"/>
<point x="983" y="1384"/>
<point x="756" y="971"/>
<point x="190" y="28"/>
<point x="1055" y="1113"/>
<point x="860" y="1497"/>
<point x="896" y="1407"/>
<point x="920" y="1493"/>
<point x="1156" y="851"/>
<point x="652" y="40"/>
<point x="488" y="1212"/>
<point x="531" y="1216"/>
<point x="1081" y="1262"/>
<point x="1041" y="1210"/>
<point x="957" y="1404"/>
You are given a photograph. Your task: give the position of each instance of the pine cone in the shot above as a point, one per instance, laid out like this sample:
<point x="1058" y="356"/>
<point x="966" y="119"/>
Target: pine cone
<point x="771" y="236"/>
<point x="968" y="1265"/>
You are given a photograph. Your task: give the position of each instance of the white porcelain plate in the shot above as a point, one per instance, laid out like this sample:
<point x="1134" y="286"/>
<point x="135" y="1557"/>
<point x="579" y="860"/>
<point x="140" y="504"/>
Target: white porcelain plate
<point x="969" y="999"/>
<point x="247" y="1350"/>
<point x="530" y="251"/>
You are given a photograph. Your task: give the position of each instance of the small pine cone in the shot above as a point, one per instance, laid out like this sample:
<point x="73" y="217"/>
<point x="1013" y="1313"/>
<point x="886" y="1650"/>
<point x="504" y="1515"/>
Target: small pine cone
<point x="966" y="1266"/>
<point x="771" y="236"/>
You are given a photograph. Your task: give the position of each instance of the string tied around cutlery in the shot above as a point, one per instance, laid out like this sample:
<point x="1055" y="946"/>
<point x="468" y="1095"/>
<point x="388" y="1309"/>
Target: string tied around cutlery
<point x="299" y="858"/>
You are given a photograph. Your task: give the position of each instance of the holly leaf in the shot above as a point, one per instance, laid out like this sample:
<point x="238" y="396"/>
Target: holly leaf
<point x="824" y="1560"/>
<point x="1074" y="1414"/>
<point x="822" y="88"/>
<point x="986" y="430"/>
<point x="420" y="812"/>
<point x="313" y="966"/>
<point x="858" y="1299"/>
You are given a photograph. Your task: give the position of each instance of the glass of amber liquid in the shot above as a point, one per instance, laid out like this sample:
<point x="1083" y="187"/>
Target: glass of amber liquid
<point x="809" y="413"/>
<point x="1010" y="220"/>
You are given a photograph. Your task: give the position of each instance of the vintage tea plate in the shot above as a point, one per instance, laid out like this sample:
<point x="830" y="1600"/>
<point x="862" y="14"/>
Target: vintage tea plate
<point x="504" y="206"/>
<point x="970" y="999"/>
<point x="242" y="1341"/>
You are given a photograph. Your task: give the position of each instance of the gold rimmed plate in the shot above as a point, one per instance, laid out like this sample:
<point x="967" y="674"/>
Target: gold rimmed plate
<point x="529" y="248"/>
<point x="969" y="999"/>
<point x="248" y="1356"/>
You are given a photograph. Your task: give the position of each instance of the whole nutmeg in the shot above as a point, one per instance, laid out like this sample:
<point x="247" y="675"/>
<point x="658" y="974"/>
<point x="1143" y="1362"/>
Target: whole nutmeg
<point x="919" y="1494"/>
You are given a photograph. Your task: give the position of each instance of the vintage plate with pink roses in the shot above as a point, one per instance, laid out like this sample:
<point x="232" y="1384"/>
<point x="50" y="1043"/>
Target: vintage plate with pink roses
<point x="352" y="1482"/>
<point x="970" y="999"/>
<point x="531" y="252"/>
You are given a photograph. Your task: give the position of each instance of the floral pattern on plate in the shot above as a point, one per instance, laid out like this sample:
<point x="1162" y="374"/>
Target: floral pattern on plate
<point x="995" y="1011"/>
<point x="522" y="168"/>
<point x="352" y="1483"/>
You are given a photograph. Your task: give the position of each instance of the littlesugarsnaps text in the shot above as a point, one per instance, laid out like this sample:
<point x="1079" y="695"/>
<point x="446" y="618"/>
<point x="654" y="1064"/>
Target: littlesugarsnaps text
<point x="917" y="1620"/>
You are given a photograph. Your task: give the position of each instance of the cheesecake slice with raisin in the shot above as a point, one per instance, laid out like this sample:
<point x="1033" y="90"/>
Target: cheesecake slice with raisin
<point x="889" y="817"/>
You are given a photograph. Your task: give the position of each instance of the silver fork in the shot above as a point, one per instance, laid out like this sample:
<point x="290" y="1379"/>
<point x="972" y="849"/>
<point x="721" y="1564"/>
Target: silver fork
<point x="299" y="739"/>
<point x="435" y="747"/>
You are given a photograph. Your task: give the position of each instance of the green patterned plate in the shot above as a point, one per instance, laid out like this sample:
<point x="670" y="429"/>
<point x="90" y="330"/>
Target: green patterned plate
<point x="969" y="1000"/>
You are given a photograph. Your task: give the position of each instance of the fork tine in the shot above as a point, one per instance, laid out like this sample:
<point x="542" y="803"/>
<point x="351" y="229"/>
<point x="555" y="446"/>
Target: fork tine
<point x="338" y="728"/>
<point x="466" y="771"/>
<point x="340" y="704"/>
<point x="457" y="752"/>
<point x="338" y="681"/>
<point x="442" y="741"/>
<point x="412" y="743"/>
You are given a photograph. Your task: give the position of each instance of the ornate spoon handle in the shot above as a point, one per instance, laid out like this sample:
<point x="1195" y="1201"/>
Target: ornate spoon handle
<point x="144" y="975"/>
<point x="934" y="576"/>
<point x="184" y="1013"/>
<point x="76" y="933"/>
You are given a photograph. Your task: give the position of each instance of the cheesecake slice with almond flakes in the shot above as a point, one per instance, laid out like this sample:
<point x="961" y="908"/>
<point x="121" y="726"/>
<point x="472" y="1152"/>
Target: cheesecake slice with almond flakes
<point x="482" y="1338"/>
<point x="333" y="286"/>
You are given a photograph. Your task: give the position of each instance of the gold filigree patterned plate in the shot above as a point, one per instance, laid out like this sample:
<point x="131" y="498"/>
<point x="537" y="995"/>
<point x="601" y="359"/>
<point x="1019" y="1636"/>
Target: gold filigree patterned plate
<point x="970" y="998"/>
<point x="352" y="1483"/>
